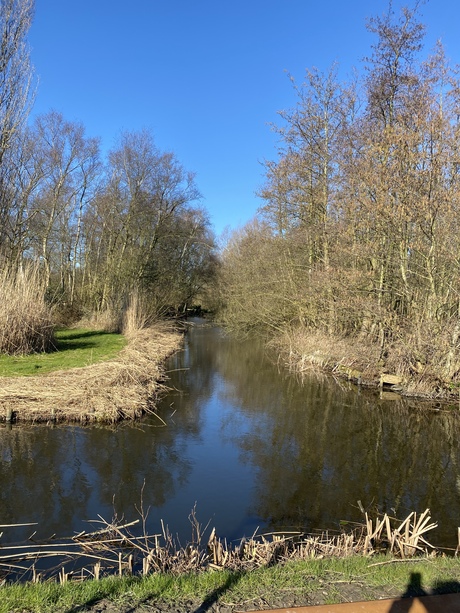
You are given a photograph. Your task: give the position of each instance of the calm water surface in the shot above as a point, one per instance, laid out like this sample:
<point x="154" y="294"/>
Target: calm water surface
<point x="252" y="447"/>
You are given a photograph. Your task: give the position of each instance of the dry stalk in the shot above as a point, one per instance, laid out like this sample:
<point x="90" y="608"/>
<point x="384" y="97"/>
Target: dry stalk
<point x="122" y="552"/>
<point x="404" y="539"/>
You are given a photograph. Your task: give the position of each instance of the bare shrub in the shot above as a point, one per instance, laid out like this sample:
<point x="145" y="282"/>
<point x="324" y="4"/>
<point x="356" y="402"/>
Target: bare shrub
<point x="26" y="324"/>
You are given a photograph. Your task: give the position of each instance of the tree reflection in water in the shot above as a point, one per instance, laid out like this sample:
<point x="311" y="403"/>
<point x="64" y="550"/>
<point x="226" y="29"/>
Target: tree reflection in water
<point x="250" y="444"/>
<point x="319" y="447"/>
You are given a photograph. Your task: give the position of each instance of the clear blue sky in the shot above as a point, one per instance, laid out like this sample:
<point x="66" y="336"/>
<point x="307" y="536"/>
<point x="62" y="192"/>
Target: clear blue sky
<point x="206" y="76"/>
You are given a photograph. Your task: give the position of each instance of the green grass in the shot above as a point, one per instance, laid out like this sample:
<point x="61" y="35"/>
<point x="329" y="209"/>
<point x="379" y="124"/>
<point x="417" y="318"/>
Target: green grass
<point x="331" y="580"/>
<point x="75" y="348"/>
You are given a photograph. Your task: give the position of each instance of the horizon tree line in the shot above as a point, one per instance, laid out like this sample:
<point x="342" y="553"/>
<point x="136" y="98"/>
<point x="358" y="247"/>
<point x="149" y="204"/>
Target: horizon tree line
<point x="97" y="228"/>
<point x="358" y="232"/>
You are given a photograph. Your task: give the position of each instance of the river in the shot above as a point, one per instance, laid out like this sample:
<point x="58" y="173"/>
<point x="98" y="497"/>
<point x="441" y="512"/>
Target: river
<point x="251" y="446"/>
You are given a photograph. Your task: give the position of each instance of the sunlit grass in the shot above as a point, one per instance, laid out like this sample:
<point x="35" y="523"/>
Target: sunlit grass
<point x="74" y="348"/>
<point x="370" y="578"/>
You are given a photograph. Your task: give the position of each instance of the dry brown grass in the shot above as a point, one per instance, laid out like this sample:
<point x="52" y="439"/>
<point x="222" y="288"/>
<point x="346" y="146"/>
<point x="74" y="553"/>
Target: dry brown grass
<point x="26" y="324"/>
<point x="418" y="361"/>
<point x="302" y="350"/>
<point x="139" y="314"/>
<point x="121" y="388"/>
<point x="116" y="549"/>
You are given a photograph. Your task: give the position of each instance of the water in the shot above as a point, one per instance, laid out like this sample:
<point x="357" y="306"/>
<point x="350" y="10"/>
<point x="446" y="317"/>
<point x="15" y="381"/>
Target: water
<point x="250" y="446"/>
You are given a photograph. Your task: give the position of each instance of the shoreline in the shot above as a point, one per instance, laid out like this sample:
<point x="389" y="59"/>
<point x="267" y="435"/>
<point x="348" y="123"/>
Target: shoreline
<point x="284" y="585"/>
<point x="125" y="387"/>
<point x="360" y="364"/>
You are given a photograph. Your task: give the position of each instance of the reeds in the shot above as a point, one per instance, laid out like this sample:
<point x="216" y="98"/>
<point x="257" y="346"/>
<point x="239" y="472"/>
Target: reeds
<point x="116" y="549"/>
<point x="403" y="539"/>
<point x="138" y="315"/>
<point x="25" y="319"/>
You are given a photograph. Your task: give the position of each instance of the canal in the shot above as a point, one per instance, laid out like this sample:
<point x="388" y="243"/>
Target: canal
<point x="245" y="443"/>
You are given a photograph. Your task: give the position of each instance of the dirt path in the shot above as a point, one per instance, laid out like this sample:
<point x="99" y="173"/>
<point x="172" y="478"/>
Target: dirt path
<point x="285" y="601"/>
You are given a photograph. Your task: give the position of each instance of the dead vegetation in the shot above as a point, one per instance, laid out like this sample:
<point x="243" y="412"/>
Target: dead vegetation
<point x="26" y="324"/>
<point x="122" y="388"/>
<point x="116" y="548"/>
<point x="359" y="361"/>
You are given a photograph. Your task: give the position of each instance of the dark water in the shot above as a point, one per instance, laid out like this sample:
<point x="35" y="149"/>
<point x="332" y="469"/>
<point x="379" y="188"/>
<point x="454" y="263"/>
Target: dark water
<point x="251" y="446"/>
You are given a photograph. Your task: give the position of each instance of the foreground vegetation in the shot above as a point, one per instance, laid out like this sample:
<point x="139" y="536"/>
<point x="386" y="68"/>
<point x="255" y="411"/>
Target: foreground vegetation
<point x="297" y="583"/>
<point x="357" y="238"/>
<point x="305" y="569"/>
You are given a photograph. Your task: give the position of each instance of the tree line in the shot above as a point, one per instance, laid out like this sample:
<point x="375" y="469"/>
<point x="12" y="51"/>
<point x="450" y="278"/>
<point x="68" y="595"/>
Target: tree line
<point x="98" y="227"/>
<point x="358" y="232"/>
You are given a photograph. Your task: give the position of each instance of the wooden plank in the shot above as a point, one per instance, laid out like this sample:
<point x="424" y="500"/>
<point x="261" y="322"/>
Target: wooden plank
<point x="446" y="603"/>
<point x="386" y="379"/>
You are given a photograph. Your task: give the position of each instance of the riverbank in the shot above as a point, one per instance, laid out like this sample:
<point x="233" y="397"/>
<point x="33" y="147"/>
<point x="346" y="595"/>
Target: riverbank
<point x="303" y="583"/>
<point x="124" y="387"/>
<point x="361" y="363"/>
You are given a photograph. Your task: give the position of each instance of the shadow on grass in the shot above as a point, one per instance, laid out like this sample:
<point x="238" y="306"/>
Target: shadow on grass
<point x="414" y="589"/>
<point x="70" y="340"/>
<point x="70" y="346"/>
<point x="93" y="602"/>
<point x="80" y="334"/>
<point x="218" y="593"/>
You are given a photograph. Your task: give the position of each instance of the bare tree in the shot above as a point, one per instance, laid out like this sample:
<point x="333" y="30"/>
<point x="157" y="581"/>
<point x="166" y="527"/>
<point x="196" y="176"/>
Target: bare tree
<point x="16" y="77"/>
<point x="70" y="163"/>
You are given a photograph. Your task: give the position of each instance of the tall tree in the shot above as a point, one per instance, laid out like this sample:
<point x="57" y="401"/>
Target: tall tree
<point x="301" y="187"/>
<point x="16" y="77"/>
<point x="69" y="162"/>
<point x="142" y="231"/>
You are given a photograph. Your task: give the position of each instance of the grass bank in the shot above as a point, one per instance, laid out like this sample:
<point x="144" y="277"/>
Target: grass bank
<point x="74" y="348"/>
<point x="301" y="583"/>
<point x="106" y="390"/>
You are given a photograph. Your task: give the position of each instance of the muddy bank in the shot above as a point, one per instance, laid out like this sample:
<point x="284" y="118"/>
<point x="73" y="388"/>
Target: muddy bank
<point x="125" y="387"/>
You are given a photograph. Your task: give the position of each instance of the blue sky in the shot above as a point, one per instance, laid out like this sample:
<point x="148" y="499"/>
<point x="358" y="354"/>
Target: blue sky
<point x="207" y="77"/>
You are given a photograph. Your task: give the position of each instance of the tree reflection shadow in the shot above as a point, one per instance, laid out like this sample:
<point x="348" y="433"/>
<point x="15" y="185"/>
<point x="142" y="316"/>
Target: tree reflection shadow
<point x="318" y="447"/>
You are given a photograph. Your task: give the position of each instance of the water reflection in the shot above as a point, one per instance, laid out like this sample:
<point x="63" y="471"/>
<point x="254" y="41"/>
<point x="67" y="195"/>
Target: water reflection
<point x="320" y="447"/>
<point x="60" y="477"/>
<point x="249" y="444"/>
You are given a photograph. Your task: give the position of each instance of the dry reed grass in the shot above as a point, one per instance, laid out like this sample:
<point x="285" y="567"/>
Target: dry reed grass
<point x="122" y="388"/>
<point x="26" y="324"/>
<point x="115" y="549"/>
<point x="303" y="350"/>
<point x="359" y="360"/>
<point x="138" y="315"/>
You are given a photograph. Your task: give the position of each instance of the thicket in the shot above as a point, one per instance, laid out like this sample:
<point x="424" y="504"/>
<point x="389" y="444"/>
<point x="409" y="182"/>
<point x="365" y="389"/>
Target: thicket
<point x="96" y="231"/>
<point x="358" y="233"/>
